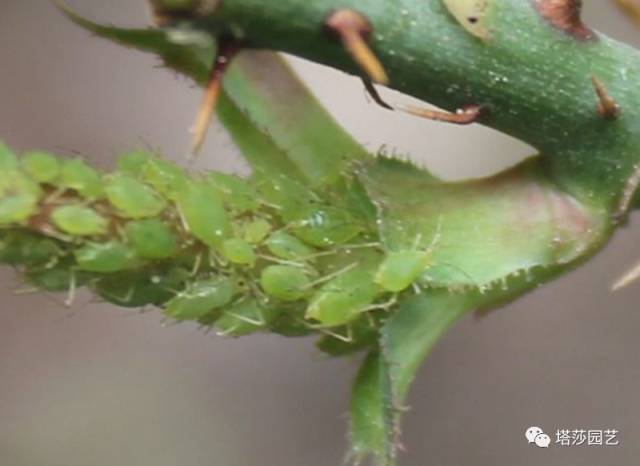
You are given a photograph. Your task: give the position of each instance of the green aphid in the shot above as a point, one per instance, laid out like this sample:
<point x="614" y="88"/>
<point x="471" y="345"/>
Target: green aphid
<point x="245" y="318"/>
<point x="151" y="238"/>
<point x="24" y="248"/>
<point x="133" y="163"/>
<point x="401" y="269"/>
<point x="79" y="220"/>
<point x="343" y="299"/>
<point x="108" y="257"/>
<point x="137" y="288"/>
<point x="61" y="276"/>
<point x="291" y="324"/>
<point x="19" y="197"/>
<point x="166" y="177"/>
<point x="235" y="192"/>
<point x="324" y="226"/>
<point x="256" y="231"/>
<point x="204" y="214"/>
<point x="201" y="298"/>
<point x="286" y="246"/>
<point x="238" y="251"/>
<point x="42" y="167"/>
<point x="8" y="160"/>
<point x="284" y="282"/>
<point x="132" y="198"/>
<point x="290" y="197"/>
<point x="83" y="179"/>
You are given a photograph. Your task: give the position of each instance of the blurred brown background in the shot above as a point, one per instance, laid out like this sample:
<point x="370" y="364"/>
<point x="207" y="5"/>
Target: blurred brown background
<point x="101" y="386"/>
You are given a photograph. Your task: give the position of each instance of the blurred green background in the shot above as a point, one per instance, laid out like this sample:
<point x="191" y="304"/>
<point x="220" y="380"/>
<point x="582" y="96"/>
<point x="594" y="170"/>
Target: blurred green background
<point x="101" y="386"/>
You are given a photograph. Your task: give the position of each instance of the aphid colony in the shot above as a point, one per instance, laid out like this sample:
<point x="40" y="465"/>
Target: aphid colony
<point x="237" y="255"/>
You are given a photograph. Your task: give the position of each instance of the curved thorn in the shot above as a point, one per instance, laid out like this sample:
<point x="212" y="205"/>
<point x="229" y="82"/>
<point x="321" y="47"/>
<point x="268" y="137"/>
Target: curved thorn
<point x="373" y="93"/>
<point x="353" y="30"/>
<point x="463" y="116"/>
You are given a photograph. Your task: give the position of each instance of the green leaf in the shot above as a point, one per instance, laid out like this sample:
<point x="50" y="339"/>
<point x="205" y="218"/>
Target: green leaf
<point x="480" y="232"/>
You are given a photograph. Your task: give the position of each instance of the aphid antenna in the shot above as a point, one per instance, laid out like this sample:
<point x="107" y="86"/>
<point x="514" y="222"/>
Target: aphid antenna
<point x="333" y="275"/>
<point x="277" y="260"/>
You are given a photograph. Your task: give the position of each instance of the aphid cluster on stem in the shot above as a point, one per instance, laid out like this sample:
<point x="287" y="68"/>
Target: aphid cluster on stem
<point x="235" y="255"/>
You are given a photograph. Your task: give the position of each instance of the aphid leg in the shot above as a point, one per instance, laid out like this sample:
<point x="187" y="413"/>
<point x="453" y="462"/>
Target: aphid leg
<point x="196" y="265"/>
<point x="333" y="275"/>
<point x="353" y="30"/>
<point x="227" y="49"/>
<point x="71" y="295"/>
<point x="607" y="107"/>
<point x="347" y="338"/>
<point x="463" y="116"/>
<point x="54" y="195"/>
<point x="374" y="94"/>
<point x="227" y="332"/>
<point x="259" y="322"/>
<point x="382" y="306"/>
<point x="437" y="236"/>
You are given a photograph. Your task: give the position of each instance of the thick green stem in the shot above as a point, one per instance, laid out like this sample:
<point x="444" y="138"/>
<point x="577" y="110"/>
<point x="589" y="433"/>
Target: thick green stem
<point x="533" y="79"/>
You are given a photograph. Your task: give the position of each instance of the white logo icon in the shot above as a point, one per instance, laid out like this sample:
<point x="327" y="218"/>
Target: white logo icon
<point x="543" y="440"/>
<point x="532" y="433"/>
<point x="537" y="436"/>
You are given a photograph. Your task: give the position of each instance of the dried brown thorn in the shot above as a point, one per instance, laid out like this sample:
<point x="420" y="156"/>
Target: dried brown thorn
<point x="607" y="107"/>
<point x="353" y="30"/>
<point x="631" y="9"/>
<point x="227" y="49"/>
<point x="464" y="116"/>
<point x="373" y="92"/>
<point x="565" y="15"/>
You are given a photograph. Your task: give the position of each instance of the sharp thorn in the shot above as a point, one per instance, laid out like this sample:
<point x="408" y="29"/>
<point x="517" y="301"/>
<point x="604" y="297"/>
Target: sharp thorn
<point x="373" y="93"/>
<point x="353" y="30"/>
<point x="463" y="116"/>
<point x="631" y="9"/>
<point x="607" y="107"/>
<point x="227" y="49"/>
